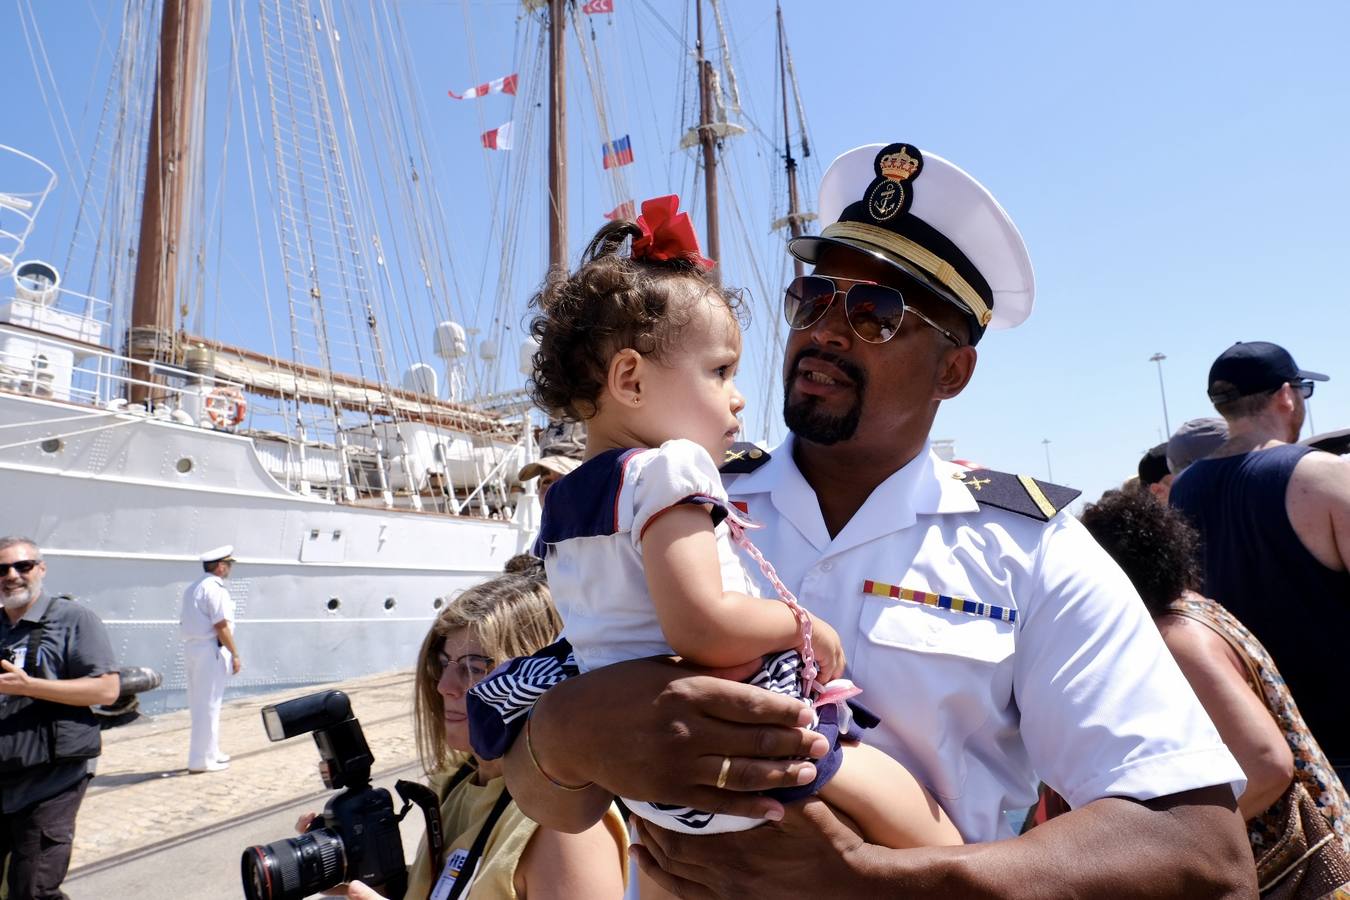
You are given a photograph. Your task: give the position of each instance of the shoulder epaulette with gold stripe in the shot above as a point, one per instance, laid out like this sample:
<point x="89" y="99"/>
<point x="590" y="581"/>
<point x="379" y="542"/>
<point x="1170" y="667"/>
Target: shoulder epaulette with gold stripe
<point x="1020" y="494"/>
<point x="742" y="457"/>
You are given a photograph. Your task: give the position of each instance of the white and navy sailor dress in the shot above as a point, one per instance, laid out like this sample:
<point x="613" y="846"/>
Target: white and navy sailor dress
<point x="591" y="543"/>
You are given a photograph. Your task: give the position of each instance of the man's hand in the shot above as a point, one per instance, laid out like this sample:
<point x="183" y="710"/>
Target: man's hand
<point x="689" y="723"/>
<point x="13" y="680"/>
<point x="828" y="649"/>
<point x="811" y="846"/>
<point x="236" y="664"/>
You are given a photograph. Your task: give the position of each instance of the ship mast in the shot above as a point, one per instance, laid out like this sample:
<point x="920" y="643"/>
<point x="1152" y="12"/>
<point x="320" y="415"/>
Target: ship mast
<point x="707" y="138"/>
<point x="557" y="138"/>
<point x="794" y="221"/>
<point x="167" y="177"/>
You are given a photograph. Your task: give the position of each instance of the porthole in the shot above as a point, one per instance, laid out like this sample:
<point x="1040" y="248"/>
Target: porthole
<point x="438" y="603"/>
<point x="183" y="465"/>
<point x="51" y="445"/>
<point x="333" y="604"/>
<point x="390" y="602"/>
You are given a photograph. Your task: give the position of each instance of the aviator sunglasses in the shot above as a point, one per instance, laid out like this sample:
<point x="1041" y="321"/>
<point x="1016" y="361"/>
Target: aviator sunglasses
<point x="23" y="566"/>
<point x="874" y="311"/>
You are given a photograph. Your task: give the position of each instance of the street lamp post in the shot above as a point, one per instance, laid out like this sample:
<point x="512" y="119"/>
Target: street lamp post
<point x="1049" y="472"/>
<point x="1162" y="392"/>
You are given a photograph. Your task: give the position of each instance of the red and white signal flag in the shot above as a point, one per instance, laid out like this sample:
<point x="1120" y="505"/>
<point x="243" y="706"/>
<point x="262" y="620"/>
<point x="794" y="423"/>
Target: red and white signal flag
<point x="625" y="210"/>
<point x="498" y="138"/>
<point x="598" y="6"/>
<point x="504" y="85"/>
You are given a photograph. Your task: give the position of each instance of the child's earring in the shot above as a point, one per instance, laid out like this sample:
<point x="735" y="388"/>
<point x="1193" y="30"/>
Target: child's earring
<point x="636" y="400"/>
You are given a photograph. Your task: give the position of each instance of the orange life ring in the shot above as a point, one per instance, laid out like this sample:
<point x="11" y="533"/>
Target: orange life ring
<point x="226" y="407"/>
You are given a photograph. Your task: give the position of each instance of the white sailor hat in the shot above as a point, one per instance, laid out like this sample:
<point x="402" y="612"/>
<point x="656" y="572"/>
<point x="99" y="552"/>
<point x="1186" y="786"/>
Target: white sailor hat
<point x="216" y="554"/>
<point x="929" y="218"/>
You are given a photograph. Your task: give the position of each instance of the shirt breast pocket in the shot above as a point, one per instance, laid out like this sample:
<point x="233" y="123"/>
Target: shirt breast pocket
<point x="919" y="628"/>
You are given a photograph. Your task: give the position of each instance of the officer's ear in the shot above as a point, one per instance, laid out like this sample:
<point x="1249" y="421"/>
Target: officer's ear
<point x="955" y="369"/>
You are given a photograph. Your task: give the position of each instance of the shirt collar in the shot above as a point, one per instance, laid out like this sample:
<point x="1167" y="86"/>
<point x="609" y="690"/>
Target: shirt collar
<point x="38" y="609"/>
<point x="926" y="485"/>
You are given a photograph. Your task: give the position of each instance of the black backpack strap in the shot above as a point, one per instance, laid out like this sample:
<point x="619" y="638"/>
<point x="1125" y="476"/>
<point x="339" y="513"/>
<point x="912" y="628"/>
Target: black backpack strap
<point x="34" y="644"/>
<point x="470" y="867"/>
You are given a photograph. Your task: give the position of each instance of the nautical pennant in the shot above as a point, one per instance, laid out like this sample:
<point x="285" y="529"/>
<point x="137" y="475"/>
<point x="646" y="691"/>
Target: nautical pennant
<point x="598" y="6"/>
<point x="504" y="85"/>
<point x="498" y="138"/>
<point x="625" y="210"/>
<point x="618" y="153"/>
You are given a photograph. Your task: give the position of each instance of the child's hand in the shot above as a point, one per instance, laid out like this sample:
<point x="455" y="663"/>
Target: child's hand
<point x="828" y="650"/>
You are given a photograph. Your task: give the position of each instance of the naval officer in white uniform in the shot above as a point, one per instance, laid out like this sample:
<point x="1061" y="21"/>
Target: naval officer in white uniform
<point x="996" y="641"/>
<point x="210" y="655"/>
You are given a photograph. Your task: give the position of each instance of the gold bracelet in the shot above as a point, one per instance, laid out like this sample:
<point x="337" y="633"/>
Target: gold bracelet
<point x="534" y="761"/>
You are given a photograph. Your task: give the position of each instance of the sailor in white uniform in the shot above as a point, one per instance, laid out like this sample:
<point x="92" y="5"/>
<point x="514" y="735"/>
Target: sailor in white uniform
<point x="209" y="654"/>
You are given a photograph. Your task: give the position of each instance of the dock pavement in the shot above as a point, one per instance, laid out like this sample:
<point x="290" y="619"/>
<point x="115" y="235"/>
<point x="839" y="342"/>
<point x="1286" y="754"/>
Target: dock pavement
<point x="149" y="829"/>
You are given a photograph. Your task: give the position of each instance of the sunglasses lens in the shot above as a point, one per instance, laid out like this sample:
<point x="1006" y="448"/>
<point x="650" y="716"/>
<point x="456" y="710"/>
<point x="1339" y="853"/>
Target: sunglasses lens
<point x="806" y="300"/>
<point x="874" y="312"/>
<point x="23" y="567"/>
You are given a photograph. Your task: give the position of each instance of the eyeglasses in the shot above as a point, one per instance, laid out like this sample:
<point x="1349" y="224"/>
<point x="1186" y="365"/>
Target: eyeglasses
<point x="23" y="566"/>
<point x="1305" y="387"/>
<point x="471" y="667"/>
<point x="874" y="311"/>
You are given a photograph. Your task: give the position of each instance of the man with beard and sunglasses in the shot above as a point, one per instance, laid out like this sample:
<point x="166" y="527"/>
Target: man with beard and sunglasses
<point x="996" y="641"/>
<point x="55" y="663"/>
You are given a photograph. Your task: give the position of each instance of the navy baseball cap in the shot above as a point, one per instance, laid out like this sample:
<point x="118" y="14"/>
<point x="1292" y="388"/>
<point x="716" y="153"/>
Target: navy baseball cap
<point x="1252" y="367"/>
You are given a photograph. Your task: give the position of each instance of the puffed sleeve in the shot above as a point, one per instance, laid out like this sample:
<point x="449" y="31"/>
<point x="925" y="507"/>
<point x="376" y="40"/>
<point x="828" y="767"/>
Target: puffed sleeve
<point x="676" y="473"/>
<point x="1105" y="709"/>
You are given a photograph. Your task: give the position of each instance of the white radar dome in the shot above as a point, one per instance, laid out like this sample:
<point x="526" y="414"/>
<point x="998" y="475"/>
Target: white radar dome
<point x="420" y="379"/>
<point x="451" y="340"/>
<point x="528" y="348"/>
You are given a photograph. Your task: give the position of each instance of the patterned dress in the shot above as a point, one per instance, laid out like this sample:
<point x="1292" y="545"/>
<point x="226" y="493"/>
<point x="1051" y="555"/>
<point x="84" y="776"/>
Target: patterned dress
<point x="1310" y="763"/>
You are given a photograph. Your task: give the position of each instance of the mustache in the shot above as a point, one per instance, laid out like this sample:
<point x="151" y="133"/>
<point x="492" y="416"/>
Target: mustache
<point x="855" y="374"/>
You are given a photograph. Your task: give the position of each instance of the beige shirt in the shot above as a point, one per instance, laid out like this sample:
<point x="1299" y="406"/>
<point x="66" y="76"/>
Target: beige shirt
<point x="463" y="813"/>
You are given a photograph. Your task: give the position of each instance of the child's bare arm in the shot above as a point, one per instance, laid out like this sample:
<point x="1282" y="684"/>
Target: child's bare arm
<point x="702" y="622"/>
<point x="887" y="802"/>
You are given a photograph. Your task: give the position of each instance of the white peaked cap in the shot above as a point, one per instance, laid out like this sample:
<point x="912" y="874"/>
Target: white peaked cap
<point x="218" y="553"/>
<point x="945" y="199"/>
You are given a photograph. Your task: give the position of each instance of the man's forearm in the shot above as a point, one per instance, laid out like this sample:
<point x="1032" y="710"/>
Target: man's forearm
<point x="225" y="635"/>
<point x="1187" y="845"/>
<point x="91" y="690"/>
<point x="544" y="802"/>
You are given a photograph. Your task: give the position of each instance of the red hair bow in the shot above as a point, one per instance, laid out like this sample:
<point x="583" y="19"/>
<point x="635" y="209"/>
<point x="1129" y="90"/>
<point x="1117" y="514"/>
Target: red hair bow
<point x="667" y="234"/>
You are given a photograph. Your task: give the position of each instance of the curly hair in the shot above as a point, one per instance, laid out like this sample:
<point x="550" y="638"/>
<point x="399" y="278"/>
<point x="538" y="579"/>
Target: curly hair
<point x="610" y="303"/>
<point x="1152" y="542"/>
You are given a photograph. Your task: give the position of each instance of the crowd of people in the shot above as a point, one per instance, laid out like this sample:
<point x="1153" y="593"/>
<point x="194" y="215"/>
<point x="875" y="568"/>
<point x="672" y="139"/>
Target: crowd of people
<point x="686" y="647"/>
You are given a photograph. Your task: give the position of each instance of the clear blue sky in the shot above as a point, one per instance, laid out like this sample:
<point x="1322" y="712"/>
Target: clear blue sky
<point x="1179" y="172"/>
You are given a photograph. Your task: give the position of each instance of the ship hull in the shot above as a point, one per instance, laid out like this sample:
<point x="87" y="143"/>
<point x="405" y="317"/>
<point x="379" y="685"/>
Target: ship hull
<point x="324" y="590"/>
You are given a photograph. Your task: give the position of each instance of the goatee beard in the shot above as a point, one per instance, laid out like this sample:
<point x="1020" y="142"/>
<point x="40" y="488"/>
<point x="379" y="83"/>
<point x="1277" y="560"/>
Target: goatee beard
<point x="807" y="421"/>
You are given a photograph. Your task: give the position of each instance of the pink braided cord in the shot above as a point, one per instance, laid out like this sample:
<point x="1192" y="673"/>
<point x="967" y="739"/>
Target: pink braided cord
<point x="809" y="668"/>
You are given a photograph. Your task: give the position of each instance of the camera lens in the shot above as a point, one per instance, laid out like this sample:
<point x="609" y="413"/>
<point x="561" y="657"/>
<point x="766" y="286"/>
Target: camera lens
<point x="295" y="867"/>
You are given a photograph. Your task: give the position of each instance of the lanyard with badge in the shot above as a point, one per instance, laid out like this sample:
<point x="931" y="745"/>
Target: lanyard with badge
<point x="458" y="871"/>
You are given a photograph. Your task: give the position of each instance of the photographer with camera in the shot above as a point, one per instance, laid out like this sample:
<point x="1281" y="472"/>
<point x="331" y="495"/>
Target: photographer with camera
<point x="55" y="663"/>
<point x="489" y="844"/>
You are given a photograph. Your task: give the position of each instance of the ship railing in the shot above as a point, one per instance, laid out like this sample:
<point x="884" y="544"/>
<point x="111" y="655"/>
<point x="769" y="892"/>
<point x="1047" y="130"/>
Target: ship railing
<point x="25" y="182"/>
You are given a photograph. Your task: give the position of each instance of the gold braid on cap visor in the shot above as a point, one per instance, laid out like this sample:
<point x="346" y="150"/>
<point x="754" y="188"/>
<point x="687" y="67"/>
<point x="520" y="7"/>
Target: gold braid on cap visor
<point x="920" y="256"/>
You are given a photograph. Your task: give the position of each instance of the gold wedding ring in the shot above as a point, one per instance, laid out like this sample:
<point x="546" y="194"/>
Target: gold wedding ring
<point x="722" y="775"/>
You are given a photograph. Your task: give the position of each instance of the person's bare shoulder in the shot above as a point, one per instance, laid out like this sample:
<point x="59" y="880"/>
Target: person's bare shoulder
<point x="1318" y="504"/>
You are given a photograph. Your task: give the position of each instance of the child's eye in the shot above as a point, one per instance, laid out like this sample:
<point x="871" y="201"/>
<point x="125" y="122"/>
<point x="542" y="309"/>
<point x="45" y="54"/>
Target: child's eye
<point x="724" y="372"/>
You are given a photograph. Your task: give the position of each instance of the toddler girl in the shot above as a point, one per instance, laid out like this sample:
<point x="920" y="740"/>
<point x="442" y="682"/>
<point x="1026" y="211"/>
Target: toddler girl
<point x="639" y="541"/>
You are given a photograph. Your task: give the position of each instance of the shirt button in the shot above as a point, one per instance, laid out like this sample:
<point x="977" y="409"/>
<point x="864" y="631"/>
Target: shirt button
<point x="826" y="566"/>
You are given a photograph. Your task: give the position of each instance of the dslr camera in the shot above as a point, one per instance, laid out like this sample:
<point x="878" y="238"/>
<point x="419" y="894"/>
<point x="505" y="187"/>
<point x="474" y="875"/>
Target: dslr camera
<point x="357" y="835"/>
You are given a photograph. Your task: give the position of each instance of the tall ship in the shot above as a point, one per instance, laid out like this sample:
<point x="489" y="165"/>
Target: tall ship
<point x="333" y="406"/>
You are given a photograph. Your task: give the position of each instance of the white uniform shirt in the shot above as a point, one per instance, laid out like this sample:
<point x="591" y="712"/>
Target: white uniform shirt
<point x="593" y="524"/>
<point x="1079" y="691"/>
<point x="205" y="602"/>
